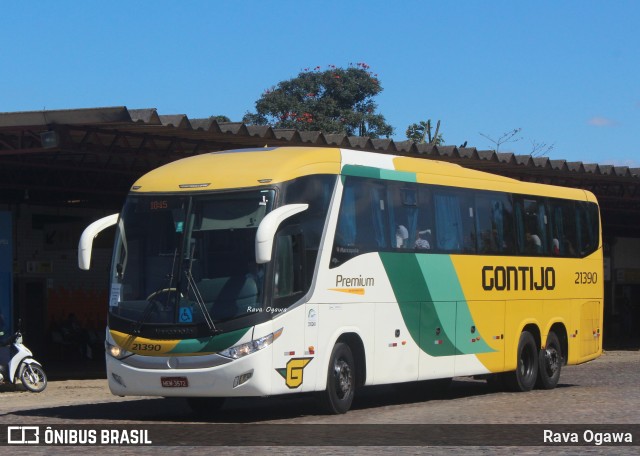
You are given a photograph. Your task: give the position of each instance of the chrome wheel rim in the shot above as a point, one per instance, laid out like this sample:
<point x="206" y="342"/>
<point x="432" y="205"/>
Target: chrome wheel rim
<point x="343" y="377"/>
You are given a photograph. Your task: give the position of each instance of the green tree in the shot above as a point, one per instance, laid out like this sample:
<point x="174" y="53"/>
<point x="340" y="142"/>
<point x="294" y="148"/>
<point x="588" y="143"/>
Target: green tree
<point x="221" y="118"/>
<point x="421" y="133"/>
<point x="336" y="100"/>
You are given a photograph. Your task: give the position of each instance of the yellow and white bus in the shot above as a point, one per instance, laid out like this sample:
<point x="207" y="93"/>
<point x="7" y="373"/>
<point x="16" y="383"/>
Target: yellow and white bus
<point x="281" y="270"/>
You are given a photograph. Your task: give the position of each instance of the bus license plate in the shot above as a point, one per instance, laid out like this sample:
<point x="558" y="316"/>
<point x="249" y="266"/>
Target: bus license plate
<point x="174" y="382"/>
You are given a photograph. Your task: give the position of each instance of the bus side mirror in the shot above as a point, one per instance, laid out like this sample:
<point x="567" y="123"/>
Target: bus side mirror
<point x="86" y="240"/>
<point x="268" y="227"/>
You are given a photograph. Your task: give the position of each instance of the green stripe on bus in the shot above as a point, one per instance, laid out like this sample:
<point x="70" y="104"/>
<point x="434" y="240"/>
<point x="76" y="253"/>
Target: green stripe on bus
<point x="377" y="173"/>
<point x="444" y="285"/>
<point x="412" y="293"/>
<point x="361" y="171"/>
<point x="402" y="176"/>
<point x="432" y="303"/>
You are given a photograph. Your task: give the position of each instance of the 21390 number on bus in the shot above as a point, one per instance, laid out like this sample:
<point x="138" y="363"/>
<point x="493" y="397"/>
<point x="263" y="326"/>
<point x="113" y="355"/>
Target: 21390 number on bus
<point x="586" y="278"/>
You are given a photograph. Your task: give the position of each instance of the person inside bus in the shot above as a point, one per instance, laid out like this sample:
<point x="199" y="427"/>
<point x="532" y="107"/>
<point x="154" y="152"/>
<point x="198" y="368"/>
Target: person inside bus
<point x="534" y="244"/>
<point x="402" y="234"/>
<point x="422" y="240"/>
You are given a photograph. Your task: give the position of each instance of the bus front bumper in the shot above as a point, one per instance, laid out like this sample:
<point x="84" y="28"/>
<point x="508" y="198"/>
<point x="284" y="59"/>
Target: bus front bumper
<point x="247" y="376"/>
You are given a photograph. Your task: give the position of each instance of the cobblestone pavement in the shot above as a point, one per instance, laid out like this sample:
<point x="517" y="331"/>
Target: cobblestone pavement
<point x="604" y="391"/>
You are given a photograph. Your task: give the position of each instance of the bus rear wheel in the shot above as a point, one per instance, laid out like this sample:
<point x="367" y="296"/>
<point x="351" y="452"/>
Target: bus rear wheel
<point x="550" y="363"/>
<point x="526" y="373"/>
<point x="341" y="381"/>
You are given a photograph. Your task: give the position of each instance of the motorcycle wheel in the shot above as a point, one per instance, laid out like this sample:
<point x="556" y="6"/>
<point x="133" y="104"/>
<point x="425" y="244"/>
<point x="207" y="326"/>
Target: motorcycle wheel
<point x="33" y="378"/>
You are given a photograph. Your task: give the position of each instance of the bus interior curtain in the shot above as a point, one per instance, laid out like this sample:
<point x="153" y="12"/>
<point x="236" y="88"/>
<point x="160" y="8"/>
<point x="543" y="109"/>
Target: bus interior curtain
<point x="377" y="209"/>
<point x="519" y="228"/>
<point x="410" y="204"/>
<point x="448" y="222"/>
<point x="558" y="232"/>
<point x="391" y="213"/>
<point x="347" y="220"/>
<point x="591" y="220"/>
<point x="542" y="226"/>
<point x="497" y="209"/>
<point x="578" y="228"/>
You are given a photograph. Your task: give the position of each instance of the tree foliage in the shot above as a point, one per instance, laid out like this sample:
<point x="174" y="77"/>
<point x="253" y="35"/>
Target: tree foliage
<point x="421" y="133"/>
<point x="335" y="100"/>
<point x="221" y="118"/>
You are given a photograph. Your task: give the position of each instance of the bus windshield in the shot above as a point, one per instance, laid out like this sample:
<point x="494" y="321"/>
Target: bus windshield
<point x="188" y="259"/>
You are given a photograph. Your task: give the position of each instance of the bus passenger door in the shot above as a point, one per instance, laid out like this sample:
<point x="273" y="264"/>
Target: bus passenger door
<point x="437" y="339"/>
<point x="294" y="351"/>
<point x="479" y="337"/>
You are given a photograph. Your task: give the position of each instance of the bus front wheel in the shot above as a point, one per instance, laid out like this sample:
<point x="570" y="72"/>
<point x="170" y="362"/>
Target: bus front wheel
<point x="550" y="363"/>
<point x="526" y="373"/>
<point x="338" y="396"/>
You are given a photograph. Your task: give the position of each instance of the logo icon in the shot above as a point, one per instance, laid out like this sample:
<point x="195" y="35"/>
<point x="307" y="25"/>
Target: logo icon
<point x="312" y="318"/>
<point x="23" y="435"/>
<point x="292" y="374"/>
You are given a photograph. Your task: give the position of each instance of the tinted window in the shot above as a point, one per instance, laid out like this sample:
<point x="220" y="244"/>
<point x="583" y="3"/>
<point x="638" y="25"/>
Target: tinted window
<point x="316" y="191"/>
<point x="377" y="215"/>
<point x="363" y="221"/>
<point x="455" y="228"/>
<point x="494" y="224"/>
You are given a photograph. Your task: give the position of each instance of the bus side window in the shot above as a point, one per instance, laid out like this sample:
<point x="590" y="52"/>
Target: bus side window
<point x="494" y="223"/>
<point x="316" y="191"/>
<point x="587" y="227"/>
<point x="424" y="236"/>
<point x="455" y="227"/>
<point x="534" y="220"/>
<point x="288" y="277"/>
<point x="403" y="214"/>
<point x="506" y="237"/>
<point x="563" y="228"/>
<point x="363" y="220"/>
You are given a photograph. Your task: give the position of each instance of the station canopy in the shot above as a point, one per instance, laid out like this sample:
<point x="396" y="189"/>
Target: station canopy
<point x="91" y="157"/>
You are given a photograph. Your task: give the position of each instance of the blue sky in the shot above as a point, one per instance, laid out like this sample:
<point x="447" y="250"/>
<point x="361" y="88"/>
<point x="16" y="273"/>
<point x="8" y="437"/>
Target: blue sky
<point x="566" y="72"/>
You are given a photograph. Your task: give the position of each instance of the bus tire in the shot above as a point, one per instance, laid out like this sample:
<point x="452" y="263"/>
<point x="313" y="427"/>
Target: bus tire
<point x="550" y="363"/>
<point x="526" y="373"/>
<point x="341" y="380"/>
<point x="205" y="406"/>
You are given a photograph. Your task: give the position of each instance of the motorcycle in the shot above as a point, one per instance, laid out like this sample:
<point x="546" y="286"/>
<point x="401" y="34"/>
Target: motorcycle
<point x="17" y="362"/>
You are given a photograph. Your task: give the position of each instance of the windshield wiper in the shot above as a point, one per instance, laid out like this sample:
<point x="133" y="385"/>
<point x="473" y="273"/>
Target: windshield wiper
<point x="200" y="301"/>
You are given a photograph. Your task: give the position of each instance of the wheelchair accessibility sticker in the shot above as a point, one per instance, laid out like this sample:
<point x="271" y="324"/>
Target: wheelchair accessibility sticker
<point x="186" y="315"/>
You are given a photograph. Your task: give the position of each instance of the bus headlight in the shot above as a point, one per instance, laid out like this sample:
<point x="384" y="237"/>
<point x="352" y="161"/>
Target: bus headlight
<point x="116" y="352"/>
<point x="241" y="350"/>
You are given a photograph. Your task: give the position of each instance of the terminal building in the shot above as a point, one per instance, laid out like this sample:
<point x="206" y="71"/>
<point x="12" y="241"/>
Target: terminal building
<point x="61" y="170"/>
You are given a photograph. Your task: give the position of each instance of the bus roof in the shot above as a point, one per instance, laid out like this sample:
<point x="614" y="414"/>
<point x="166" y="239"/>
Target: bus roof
<point x="245" y="168"/>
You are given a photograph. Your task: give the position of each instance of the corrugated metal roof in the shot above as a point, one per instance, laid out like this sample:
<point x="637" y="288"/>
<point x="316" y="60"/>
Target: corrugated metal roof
<point x="149" y="117"/>
<point x="97" y="153"/>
